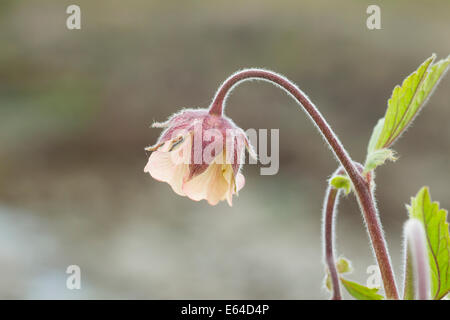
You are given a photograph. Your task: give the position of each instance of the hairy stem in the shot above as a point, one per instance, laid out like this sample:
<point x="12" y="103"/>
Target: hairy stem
<point x="409" y="291"/>
<point x="416" y="246"/>
<point x="219" y="101"/>
<point x="329" y="215"/>
<point x="366" y="200"/>
<point x="328" y="231"/>
<point x="362" y="187"/>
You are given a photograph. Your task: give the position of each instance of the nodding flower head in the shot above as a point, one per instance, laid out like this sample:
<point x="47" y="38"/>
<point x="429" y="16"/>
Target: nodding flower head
<point x="200" y="155"/>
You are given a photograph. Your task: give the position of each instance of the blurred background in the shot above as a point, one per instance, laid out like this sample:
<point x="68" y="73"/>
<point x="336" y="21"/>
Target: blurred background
<point x="75" y="110"/>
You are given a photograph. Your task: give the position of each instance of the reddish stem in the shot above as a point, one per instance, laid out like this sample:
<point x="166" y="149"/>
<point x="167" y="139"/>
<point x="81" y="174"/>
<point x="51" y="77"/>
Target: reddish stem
<point x="219" y="100"/>
<point x="362" y="187"/>
<point x="328" y="230"/>
<point x="366" y="202"/>
<point x="329" y="215"/>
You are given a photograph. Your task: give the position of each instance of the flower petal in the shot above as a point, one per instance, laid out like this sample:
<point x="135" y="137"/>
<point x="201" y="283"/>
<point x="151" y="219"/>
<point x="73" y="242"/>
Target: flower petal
<point x="178" y="177"/>
<point x="160" y="165"/>
<point x="218" y="185"/>
<point x="197" y="187"/>
<point x="240" y="181"/>
<point x="170" y="166"/>
<point x="209" y="185"/>
<point x="234" y="187"/>
<point x="174" y="159"/>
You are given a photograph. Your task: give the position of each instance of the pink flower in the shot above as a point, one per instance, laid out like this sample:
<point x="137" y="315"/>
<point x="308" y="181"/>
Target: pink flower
<point x="200" y="156"/>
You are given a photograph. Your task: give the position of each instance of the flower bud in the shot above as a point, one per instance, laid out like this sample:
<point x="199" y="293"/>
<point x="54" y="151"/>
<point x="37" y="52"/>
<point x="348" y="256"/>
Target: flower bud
<point x="200" y="156"/>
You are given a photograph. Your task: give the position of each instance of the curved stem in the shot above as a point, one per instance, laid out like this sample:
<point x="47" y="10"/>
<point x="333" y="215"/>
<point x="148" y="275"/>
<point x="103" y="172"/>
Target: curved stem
<point x="219" y="100"/>
<point x="362" y="187"/>
<point x="328" y="231"/>
<point x="329" y="216"/>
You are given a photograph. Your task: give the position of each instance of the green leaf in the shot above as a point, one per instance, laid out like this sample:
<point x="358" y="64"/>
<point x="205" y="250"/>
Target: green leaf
<point x="407" y="100"/>
<point x="361" y="292"/>
<point x="375" y="136"/>
<point x="328" y="283"/>
<point x="343" y="265"/>
<point x="341" y="182"/>
<point x="438" y="240"/>
<point x="378" y="157"/>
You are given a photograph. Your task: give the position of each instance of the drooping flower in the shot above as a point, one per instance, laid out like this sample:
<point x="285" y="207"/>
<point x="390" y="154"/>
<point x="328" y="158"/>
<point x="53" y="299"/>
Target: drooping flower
<point x="200" y="156"/>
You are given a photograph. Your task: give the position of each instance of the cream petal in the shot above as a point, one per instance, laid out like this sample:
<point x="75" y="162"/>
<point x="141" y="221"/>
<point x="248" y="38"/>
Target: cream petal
<point x="227" y="173"/>
<point x="181" y="171"/>
<point x="229" y="199"/>
<point x="229" y="178"/>
<point x="160" y="166"/>
<point x="165" y="164"/>
<point x="218" y="185"/>
<point x="197" y="188"/>
<point x="210" y="185"/>
<point x="234" y="187"/>
<point x="230" y="195"/>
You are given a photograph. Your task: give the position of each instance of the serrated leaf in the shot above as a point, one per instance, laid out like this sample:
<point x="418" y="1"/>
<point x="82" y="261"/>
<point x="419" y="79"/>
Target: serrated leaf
<point x="361" y="292"/>
<point x="341" y="182"/>
<point x="377" y="158"/>
<point x="435" y="223"/>
<point x="406" y="100"/>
